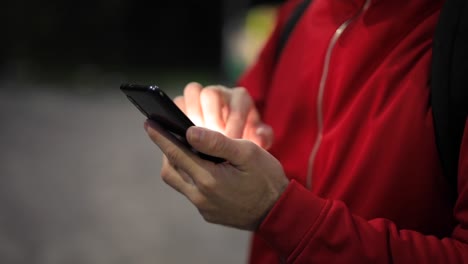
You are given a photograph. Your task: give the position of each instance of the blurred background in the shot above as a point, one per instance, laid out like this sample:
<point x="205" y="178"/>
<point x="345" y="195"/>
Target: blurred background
<point x="79" y="179"/>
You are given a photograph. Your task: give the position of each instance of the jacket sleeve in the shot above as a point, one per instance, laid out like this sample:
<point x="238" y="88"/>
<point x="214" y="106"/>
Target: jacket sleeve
<point x="325" y="231"/>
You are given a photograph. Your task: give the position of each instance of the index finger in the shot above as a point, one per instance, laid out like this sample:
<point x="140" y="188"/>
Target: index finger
<point x="239" y="109"/>
<point x="213" y="99"/>
<point x="192" y="103"/>
<point x="180" y="102"/>
<point x="177" y="154"/>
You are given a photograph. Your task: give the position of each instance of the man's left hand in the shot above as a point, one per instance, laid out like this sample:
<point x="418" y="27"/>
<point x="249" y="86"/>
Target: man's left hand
<point x="236" y="193"/>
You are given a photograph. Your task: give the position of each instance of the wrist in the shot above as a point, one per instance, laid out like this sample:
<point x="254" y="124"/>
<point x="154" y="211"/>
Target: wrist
<point x="276" y="194"/>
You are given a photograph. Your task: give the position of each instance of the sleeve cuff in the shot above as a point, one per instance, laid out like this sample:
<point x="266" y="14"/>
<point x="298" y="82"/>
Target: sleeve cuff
<point x="292" y="217"/>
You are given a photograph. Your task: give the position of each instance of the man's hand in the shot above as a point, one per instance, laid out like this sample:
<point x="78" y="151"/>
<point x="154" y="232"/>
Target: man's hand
<point x="230" y="111"/>
<point x="237" y="193"/>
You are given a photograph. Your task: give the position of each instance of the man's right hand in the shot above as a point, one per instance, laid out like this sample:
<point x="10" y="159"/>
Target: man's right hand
<point x="229" y="111"/>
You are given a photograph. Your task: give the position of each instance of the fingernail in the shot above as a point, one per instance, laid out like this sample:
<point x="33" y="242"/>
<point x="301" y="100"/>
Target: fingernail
<point x="259" y="131"/>
<point x="263" y="133"/>
<point x="197" y="133"/>
<point x="262" y="130"/>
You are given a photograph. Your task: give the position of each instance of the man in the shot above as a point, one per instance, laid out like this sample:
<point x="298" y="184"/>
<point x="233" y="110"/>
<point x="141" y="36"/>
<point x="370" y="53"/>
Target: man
<point x="354" y="175"/>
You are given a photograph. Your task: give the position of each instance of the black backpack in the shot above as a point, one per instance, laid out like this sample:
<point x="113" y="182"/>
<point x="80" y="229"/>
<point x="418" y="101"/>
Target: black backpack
<point x="449" y="79"/>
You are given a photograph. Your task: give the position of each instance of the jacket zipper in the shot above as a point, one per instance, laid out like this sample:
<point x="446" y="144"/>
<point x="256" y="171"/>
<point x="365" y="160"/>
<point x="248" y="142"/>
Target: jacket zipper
<point x="323" y="81"/>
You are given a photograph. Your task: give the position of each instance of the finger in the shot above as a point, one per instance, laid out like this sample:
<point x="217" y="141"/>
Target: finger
<point x="183" y="174"/>
<point x="261" y="134"/>
<point x="212" y="104"/>
<point x="257" y="131"/>
<point x="192" y="103"/>
<point x="180" y="102"/>
<point x="237" y="152"/>
<point x="177" y="154"/>
<point x="239" y="107"/>
<point x="174" y="179"/>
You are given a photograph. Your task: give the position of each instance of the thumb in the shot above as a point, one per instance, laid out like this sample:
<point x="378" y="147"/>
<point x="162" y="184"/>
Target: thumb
<point x="216" y="144"/>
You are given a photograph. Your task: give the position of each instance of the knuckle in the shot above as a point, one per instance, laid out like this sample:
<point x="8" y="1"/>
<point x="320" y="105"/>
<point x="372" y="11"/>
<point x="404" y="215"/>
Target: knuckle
<point x="207" y="186"/>
<point x="179" y="99"/>
<point x="237" y="150"/>
<point x="209" y="93"/>
<point x="209" y="88"/>
<point x="217" y="90"/>
<point x="200" y="202"/>
<point x="208" y="217"/>
<point x="165" y="176"/>
<point x="205" y="208"/>
<point x="215" y="87"/>
<point x="192" y="84"/>
<point x="243" y="93"/>
<point x="192" y="87"/>
<point x="241" y="90"/>
<point x="172" y="155"/>
<point x="217" y="143"/>
<point x="250" y="150"/>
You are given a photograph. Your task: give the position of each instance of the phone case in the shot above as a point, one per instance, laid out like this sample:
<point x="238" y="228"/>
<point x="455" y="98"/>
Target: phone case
<point x="158" y="107"/>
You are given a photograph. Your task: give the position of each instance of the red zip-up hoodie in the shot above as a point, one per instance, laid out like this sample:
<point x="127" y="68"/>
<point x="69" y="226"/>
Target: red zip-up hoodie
<point x="348" y="100"/>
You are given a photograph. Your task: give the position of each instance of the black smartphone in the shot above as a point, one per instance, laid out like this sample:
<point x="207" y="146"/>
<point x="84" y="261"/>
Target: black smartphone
<point x="158" y="107"/>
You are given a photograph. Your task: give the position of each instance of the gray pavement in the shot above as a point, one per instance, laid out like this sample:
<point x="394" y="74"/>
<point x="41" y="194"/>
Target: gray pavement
<point x="79" y="183"/>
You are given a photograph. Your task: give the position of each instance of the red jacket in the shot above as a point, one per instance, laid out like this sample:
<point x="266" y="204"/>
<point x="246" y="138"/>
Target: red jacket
<point x="353" y="129"/>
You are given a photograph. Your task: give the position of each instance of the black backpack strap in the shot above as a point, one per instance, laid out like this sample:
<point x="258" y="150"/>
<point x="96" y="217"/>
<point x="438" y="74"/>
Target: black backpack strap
<point x="289" y="26"/>
<point x="449" y="84"/>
